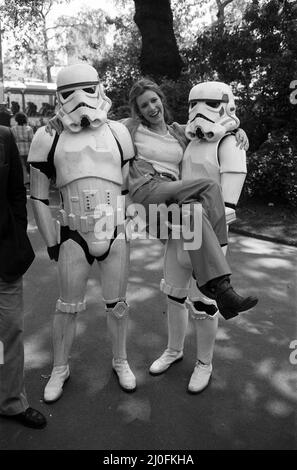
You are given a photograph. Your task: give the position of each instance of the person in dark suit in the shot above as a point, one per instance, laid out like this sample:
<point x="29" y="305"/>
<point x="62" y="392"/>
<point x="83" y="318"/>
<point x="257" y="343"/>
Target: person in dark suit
<point x="16" y="255"/>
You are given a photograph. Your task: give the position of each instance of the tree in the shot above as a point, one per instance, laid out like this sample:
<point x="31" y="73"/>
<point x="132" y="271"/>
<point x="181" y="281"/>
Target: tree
<point x="27" y="22"/>
<point x="189" y="17"/>
<point x="159" y="55"/>
<point x="83" y="36"/>
<point x="119" y="67"/>
<point x="221" y="4"/>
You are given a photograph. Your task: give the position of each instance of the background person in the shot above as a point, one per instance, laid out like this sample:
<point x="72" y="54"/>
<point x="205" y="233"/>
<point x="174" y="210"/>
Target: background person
<point x="16" y="255"/>
<point x="23" y="134"/>
<point x="15" y="108"/>
<point x="5" y="115"/>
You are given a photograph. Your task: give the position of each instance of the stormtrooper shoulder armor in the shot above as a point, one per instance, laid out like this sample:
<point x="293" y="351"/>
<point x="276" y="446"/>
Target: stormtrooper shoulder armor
<point x="40" y="146"/>
<point x="232" y="159"/>
<point x="122" y="134"/>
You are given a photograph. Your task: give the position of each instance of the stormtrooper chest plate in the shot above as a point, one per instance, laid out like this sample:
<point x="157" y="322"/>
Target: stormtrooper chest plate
<point x="89" y="153"/>
<point x="201" y="161"/>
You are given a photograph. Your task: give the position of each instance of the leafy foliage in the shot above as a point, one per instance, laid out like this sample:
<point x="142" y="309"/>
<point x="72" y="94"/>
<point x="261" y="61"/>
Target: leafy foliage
<point x="177" y="93"/>
<point x="26" y="22"/>
<point x="119" y="67"/>
<point x="272" y="169"/>
<point x="83" y="36"/>
<point x="259" y="57"/>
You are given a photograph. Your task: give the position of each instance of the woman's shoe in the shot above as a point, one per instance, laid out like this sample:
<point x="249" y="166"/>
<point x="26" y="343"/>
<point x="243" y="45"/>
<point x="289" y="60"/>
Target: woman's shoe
<point x="229" y="303"/>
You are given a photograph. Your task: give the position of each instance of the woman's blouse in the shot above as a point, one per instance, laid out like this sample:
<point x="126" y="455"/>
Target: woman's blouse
<point x="163" y="151"/>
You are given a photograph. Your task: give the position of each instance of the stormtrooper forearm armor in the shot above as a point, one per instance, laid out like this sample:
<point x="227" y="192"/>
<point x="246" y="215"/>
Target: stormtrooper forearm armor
<point x="232" y="170"/>
<point x="39" y="188"/>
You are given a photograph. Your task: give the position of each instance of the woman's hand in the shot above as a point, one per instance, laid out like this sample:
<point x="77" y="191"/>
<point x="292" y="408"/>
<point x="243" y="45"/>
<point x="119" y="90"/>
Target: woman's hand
<point x="242" y="140"/>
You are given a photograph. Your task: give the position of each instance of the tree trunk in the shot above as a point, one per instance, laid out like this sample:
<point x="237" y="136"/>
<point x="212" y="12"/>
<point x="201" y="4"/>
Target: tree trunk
<point x="221" y="14"/>
<point x="159" y="55"/>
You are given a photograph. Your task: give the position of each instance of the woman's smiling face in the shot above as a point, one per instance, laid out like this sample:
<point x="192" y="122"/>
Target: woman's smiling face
<point x="150" y="107"/>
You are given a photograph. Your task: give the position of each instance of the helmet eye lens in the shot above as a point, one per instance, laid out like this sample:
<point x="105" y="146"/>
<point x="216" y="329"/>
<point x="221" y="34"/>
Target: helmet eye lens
<point x="213" y="104"/>
<point x="65" y="94"/>
<point x="91" y="90"/>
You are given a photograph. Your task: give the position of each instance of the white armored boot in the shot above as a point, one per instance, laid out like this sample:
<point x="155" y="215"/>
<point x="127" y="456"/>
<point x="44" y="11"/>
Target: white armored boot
<point x="63" y="335"/>
<point x="206" y="329"/>
<point x="177" y="319"/>
<point x="117" y="322"/>
<point x="54" y="387"/>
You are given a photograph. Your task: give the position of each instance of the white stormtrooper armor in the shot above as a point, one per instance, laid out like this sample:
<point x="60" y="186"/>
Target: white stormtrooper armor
<point x="89" y="164"/>
<point x="211" y="111"/>
<point x="212" y="153"/>
<point x="81" y="98"/>
<point x="89" y="177"/>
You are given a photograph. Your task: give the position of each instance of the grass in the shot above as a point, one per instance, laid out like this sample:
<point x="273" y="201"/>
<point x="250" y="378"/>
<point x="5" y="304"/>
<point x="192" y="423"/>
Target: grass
<point x="267" y="220"/>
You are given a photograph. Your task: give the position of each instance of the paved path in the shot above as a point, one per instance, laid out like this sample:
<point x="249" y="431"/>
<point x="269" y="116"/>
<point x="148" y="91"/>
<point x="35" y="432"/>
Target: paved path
<point x="250" y="403"/>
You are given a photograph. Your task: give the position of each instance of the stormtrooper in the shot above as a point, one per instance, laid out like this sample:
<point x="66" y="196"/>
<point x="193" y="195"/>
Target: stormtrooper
<point x="88" y="158"/>
<point x="213" y="152"/>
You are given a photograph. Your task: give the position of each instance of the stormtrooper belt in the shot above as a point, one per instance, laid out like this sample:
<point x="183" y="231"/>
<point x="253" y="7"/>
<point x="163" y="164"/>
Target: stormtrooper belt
<point x="82" y="223"/>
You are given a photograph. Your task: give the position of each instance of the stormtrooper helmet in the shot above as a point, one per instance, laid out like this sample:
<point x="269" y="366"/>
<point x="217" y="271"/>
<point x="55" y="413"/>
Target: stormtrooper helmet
<point x="211" y="111"/>
<point x="81" y="98"/>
